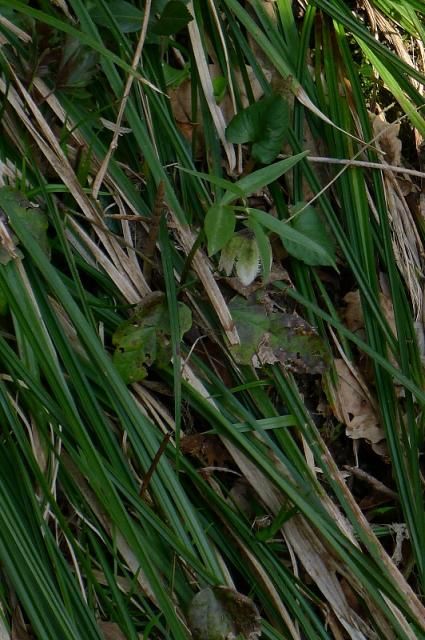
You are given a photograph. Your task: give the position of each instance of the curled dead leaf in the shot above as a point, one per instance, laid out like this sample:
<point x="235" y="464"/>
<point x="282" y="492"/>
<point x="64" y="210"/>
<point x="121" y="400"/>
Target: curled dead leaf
<point x="181" y="98"/>
<point x="388" y="140"/>
<point x="352" y="405"/>
<point x="353" y="314"/>
<point x="354" y="319"/>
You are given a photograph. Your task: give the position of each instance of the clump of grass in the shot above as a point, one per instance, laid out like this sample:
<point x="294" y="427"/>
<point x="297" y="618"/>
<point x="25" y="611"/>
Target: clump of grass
<point x="206" y="464"/>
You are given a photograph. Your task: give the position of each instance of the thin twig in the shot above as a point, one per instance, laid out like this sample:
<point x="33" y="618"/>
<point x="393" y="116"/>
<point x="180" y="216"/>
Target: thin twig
<point x="150" y="244"/>
<point x="373" y="482"/>
<point x="368" y="165"/>
<point x="114" y="142"/>
<point x="155" y="461"/>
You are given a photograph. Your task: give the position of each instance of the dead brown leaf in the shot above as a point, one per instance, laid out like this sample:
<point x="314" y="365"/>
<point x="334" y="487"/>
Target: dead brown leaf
<point x="353" y="314"/>
<point x="388" y="140"/>
<point x="111" y="631"/>
<point x="352" y="405"/>
<point x="354" y="319"/>
<point x="181" y="99"/>
<point x="207" y="448"/>
<point x="19" y="628"/>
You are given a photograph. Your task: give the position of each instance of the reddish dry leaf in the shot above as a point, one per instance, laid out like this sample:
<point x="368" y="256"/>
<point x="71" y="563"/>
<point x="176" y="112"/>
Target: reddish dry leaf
<point x="208" y="449"/>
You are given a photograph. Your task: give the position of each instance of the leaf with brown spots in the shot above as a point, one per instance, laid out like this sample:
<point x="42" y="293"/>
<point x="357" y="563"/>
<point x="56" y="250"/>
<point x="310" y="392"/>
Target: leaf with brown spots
<point x="270" y="336"/>
<point x="220" y="613"/>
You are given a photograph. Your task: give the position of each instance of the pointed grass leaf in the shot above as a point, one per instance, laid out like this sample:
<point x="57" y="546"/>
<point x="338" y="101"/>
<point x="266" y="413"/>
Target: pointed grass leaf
<point x="259" y="179"/>
<point x="173" y="19"/>
<point x="219" y="227"/>
<point x="218" y="182"/>
<point x="308" y="241"/>
<point x="263" y="123"/>
<point x="4" y="302"/>
<point x="127" y="16"/>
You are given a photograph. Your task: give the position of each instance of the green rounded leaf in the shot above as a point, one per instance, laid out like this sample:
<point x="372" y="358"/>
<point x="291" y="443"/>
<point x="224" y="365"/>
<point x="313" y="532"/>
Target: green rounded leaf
<point x="128" y="17"/>
<point x="306" y="239"/>
<point x="275" y="336"/>
<point x="34" y="219"/>
<point x="173" y="19"/>
<point x="219" y="227"/>
<point x="265" y="124"/>
<point x="310" y="224"/>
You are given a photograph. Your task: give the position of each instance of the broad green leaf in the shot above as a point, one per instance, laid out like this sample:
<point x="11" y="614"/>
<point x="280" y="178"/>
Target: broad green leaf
<point x="314" y="250"/>
<point x="78" y="64"/>
<point x="263" y="123"/>
<point x="219" y="88"/>
<point x="145" y="339"/>
<point x="276" y="337"/>
<point x="128" y="17"/>
<point x="219" y="227"/>
<point x="219" y="613"/>
<point x="173" y="19"/>
<point x="309" y="223"/>
<point x="261" y="178"/>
